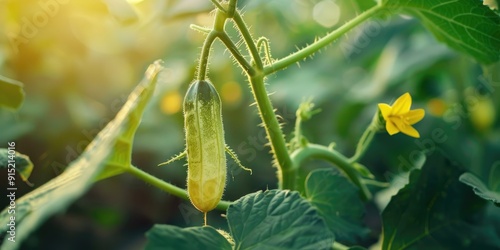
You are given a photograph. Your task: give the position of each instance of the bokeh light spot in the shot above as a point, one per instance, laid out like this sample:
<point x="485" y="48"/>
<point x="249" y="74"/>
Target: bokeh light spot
<point x="171" y="102"/>
<point x="231" y="93"/>
<point x="326" y="13"/>
<point x="436" y="107"/>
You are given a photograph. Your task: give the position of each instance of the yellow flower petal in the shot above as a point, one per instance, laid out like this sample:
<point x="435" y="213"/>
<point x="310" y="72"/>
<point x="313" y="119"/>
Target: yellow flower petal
<point x="399" y="117"/>
<point x="385" y="110"/>
<point x="398" y="122"/>
<point x="414" y="116"/>
<point x="402" y="104"/>
<point x="391" y="128"/>
<point x="411" y="131"/>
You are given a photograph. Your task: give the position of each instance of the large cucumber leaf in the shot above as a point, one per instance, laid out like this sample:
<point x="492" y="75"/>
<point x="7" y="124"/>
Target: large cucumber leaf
<point x="436" y="211"/>
<point x="467" y="26"/>
<point x="277" y="219"/>
<point x="338" y="202"/>
<point x="274" y="219"/>
<point x="165" y="237"/>
<point x="57" y="194"/>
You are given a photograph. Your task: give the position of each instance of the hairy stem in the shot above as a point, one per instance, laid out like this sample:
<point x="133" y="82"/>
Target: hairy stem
<point x="317" y="45"/>
<point x="266" y="111"/>
<point x="264" y="43"/>
<point x="247" y="37"/>
<point x="236" y="53"/>
<point x="273" y="131"/>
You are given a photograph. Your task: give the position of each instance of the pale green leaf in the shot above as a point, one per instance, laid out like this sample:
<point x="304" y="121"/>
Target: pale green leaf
<point x="11" y="93"/>
<point x="467" y="26"/>
<point x="121" y="156"/>
<point x="22" y="163"/>
<point x="481" y="189"/>
<point x="57" y="194"/>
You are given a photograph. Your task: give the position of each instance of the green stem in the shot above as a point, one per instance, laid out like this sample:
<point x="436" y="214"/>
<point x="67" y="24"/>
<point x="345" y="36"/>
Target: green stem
<point x="321" y="152"/>
<point x="366" y="138"/>
<point x="264" y="42"/>
<point x="231" y="9"/>
<point x="266" y="111"/>
<point x="247" y="37"/>
<point x="167" y="187"/>
<point x="273" y="131"/>
<point x="317" y="45"/>
<point x="297" y="138"/>
<point x="236" y="53"/>
<point x="218" y="5"/>
<point x="205" y="52"/>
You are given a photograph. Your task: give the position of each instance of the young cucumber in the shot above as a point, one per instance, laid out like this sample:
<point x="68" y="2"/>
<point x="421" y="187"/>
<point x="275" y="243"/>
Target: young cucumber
<point x="205" y="145"/>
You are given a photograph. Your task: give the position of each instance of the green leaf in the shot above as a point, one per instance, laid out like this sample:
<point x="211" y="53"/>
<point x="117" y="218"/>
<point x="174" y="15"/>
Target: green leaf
<point x="21" y="163"/>
<point x="277" y="219"/>
<point x="11" y="93"/>
<point x="337" y="201"/>
<point x="467" y="26"/>
<point x="164" y="237"/>
<point x="121" y="157"/>
<point x="436" y="211"/>
<point x="57" y="194"/>
<point x="487" y="192"/>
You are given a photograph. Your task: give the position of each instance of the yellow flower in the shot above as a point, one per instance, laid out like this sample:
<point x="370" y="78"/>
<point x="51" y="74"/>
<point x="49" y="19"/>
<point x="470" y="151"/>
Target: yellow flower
<point x="399" y="117"/>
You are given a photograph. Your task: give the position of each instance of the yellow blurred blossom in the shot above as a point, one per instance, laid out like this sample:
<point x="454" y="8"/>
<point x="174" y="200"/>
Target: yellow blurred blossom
<point x="171" y="102"/>
<point x="231" y="93"/>
<point x="436" y="107"/>
<point x="399" y="117"/>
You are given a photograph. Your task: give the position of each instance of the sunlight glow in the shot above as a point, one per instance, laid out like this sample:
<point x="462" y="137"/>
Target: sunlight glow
<point x="134" y="1"/>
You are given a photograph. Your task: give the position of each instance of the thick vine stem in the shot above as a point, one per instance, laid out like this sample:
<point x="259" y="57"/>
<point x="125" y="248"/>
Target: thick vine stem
<point x="273" y="131"/>
<point x="317" y="45"/>
<point x="266" y="111"/>
<point x="167" y="187"/>
<point x="314" y="151"/>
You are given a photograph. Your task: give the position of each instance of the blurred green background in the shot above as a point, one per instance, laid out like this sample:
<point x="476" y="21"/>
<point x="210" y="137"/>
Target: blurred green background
<point x="79" y="59"/>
